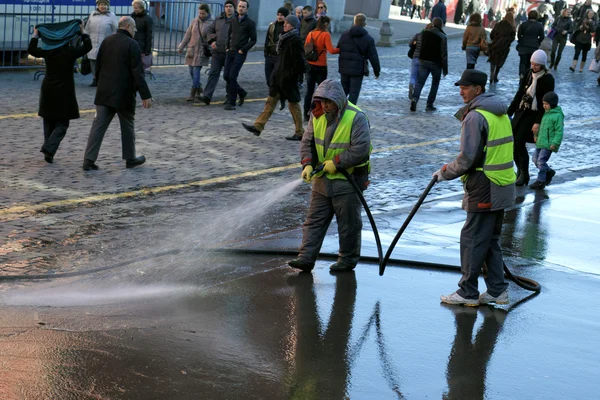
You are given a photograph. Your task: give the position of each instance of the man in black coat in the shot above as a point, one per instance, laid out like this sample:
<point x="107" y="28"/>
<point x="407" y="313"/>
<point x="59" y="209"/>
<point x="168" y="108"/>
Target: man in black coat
<point x="120" y="75"/>
<point x="529" y="37"/>
<point x="558" y="6"/>
<point x="356" y="47"/>
<point x="271" y="39"/>
<point x="58" y="103"/>
<point x="309" y="23"/>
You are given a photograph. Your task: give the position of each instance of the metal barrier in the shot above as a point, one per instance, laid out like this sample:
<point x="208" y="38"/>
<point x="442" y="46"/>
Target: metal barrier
<point x="18" y="18"/>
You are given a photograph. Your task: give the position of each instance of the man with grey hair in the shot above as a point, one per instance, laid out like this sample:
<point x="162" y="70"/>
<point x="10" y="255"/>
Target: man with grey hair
<point x="356" y="47"/>
<point x="120" y="75"/>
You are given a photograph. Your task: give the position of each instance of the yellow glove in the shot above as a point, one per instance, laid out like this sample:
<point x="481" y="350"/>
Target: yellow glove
<point x="329" y="167"/>
<point x="306" y="174"/>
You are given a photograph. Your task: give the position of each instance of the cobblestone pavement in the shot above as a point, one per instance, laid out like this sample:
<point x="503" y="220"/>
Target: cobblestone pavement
<point x="54" y="215"/>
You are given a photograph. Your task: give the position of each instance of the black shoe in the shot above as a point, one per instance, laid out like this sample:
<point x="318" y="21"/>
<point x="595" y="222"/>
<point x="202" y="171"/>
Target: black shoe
<point x="205" y="100"/>
<point x="89" y="165"/>
<point x="281" y="105"/>
<point x="430" y="107"/>
<point x="135" y="162"/>
<point x="48" y="157"/>
<point x="549" y="175"/>
<point x="294" y="137"/>
<point x="411" y="89"/>
<point x="413" y="106"/>
<point x="251" y="128"/>
<point x="229" y="107"/>
<point x="242" y="98"/>
<point x="341" y="267"/>
<point x="537" y="185"/>
<point x="94" y="83"/>
<point x="302" y="265"/>
<point x="572" y="69"/>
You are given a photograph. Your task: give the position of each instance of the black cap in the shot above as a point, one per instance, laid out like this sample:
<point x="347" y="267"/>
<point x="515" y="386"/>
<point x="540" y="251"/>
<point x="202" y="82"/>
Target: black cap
<point x="472" y="77"/>
<point x="283" y="11"/>
<point x="551" y="98"/>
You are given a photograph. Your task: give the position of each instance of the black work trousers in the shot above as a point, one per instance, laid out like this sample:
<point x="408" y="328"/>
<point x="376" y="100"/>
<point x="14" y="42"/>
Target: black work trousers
<point x="54" y="133"/>
<point x="314" y="77"/>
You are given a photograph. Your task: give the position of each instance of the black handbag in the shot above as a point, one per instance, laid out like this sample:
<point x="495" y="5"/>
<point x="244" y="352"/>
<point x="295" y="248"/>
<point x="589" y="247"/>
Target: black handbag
<point x="86" y="67"/>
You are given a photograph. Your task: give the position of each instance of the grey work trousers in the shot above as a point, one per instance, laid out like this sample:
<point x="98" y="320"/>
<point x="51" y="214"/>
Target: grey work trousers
<point x="346" y="208"/>
<point x="103" y="118"/>
<point x="54" y="133"/>
<point x="479" y="244"/>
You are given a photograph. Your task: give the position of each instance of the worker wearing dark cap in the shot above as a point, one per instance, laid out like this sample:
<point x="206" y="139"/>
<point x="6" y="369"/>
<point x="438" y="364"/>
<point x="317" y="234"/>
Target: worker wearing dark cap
<point x="485" y="165"/>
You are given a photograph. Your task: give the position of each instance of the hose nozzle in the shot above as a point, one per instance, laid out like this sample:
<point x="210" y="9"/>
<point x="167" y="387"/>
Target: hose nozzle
<point x="317" y="170"/>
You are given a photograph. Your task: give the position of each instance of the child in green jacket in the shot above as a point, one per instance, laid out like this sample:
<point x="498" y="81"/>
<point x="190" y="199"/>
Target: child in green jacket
<point x="547" y="139"/>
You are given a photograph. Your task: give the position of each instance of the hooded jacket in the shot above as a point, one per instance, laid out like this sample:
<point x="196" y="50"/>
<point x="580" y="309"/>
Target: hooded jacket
<point x="355" y="46"/>
<point x="360" y="142"/>
<point x="481" y="194"/>
<point x="551" y="129"/>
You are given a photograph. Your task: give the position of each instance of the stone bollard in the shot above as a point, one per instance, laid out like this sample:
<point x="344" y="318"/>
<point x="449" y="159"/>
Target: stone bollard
<point x="386" y="33"/>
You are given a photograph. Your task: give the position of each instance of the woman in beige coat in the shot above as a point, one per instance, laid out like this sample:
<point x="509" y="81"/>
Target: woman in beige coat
<point x="472" y="37"/>
<point x="198" y="49"/>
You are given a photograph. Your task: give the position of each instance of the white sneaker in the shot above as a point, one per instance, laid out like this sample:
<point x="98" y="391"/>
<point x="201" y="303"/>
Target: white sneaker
<point x="485" y="298"/>
<point x="457" y="299"/>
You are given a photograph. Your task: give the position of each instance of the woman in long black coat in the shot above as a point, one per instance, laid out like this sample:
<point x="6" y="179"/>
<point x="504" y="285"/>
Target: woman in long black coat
<point x="527" y="116"/>
<point x="58" y="103"/>
<point x="502" y="36"/>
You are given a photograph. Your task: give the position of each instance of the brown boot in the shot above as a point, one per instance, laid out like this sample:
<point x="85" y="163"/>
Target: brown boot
<point x="192" y="95"/>
<point x="296" y="112"/>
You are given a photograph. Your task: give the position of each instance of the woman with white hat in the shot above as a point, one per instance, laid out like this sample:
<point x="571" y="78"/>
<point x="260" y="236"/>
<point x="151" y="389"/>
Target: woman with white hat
<point x="101" y="23"/>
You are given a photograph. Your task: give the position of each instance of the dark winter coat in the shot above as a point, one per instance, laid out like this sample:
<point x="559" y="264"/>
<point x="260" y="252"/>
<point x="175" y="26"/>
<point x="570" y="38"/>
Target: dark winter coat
<point x="219" y="32"/>
<point x="306" y="26"/>
<point x="355" y="46"/>
<point x="120" y="73"/>
<point x="558" y="6"/>
<point x="439" y="11"/>
<point x="434" y="48"/>
<point x="529" y="36"/>
<point x="288" y="69"/>
<point x="273" y="32"/>
<point x="143" y="24"/>
<point x="524" y="120"/>
<point x="57" y="96"/>
<point x="243" y="34"/>
<point x="563" y="24"/>
<point x="459" y="11"/>
<point x="501" y="37"/>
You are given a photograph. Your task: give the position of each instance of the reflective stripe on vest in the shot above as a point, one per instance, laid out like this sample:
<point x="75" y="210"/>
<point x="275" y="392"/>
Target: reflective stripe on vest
<point x="340" y="141"/>
<point x="498" y="165"/>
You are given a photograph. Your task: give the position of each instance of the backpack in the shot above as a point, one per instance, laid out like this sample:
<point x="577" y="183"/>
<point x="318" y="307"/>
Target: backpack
<point x="310" y="50"/>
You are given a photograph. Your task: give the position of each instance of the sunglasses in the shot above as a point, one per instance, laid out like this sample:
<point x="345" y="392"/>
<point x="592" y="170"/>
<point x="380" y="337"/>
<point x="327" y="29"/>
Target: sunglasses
<point x="320" y="7"/>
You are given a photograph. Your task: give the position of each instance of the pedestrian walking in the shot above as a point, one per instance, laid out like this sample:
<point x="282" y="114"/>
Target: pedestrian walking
<point x="357" y="48"/>
<point x="120" y="75"/>
<point x="320" y="41"/>
<point x="501" y="38"/>
<point x="439" y="11"/>
<point x="321" y="9"/>
<point x="427" y="5"/>
<point x="284" y="84"/>
<point x="472" y="38"/>
<point x="100" y="24"/>
<point x="485" y="165"/>
<point x="528" y="110"/>
<point x="415" y="45"/>
<point x="271" y="39"/>
<point x="299" y="14"/>
<point x="198" y="51"/>
<point x="459" y="11"/>
<point x="218" y="35"/>
<point x="309" y="22"/>
<point x="416" y="6"/>
<point x="337" y="137"/>
<point x="562" y="26"/>
<point x="529" y="37"/>
<point x="558" y="7"/>
<point x="583" y="39"/>
<point x="547" y="140"/>
<point x="58" y="102"/>
<point x="241" y="39"/>
<point x="433" y="59"/>
<point x="143" y="33"/>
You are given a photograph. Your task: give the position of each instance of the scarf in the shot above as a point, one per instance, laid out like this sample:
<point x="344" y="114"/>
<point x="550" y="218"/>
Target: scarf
<point x="58" y="34"/>
<point x="285" y="35"/>
<point x="532" y="87"/>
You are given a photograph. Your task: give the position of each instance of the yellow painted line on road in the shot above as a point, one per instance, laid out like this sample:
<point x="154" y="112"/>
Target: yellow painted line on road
<point x="12" y="212"/>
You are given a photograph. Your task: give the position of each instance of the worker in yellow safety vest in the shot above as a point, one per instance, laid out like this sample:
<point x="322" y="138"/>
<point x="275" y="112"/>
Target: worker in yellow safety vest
<point x="337" y="137"/>
<point x="485" y="165"/>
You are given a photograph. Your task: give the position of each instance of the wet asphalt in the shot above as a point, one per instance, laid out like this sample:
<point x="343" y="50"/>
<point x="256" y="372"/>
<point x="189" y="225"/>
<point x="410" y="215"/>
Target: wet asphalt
<point x="144" y="303"/>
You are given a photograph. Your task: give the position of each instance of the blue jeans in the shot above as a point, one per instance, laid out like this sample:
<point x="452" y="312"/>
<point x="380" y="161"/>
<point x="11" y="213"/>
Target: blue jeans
<point x="540" y="159"/>
<point x="234" y="62"/>
<point x="352" y="85"/>
<point x="195" y="74"/>
<point x="472" y="53"/>
<point x="425" y="68"/>
<point x="414" y="71"/>
<point x="216" y="65"/>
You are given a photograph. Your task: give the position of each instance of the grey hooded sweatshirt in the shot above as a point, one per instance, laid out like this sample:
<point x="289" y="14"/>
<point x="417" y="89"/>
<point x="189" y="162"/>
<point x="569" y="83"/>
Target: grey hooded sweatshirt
<point x="481" y="194"/>
<point x="360" y="142"/>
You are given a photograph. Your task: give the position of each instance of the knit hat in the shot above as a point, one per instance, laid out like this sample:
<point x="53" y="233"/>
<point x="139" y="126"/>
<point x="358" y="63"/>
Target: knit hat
<point x="107" y="2"/>
<point x="293" y="21"/>
<point x="551" y="98"/>
<point x="283" y="11"/>
<point x="539" y="57"/>
<point x="229" y="2"/>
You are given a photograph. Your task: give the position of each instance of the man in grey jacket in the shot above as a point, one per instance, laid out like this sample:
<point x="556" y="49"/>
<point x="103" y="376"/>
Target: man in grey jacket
<point x="486" y="168"/>
<point x="332" y="194"/>
<point x="218" y="35"/>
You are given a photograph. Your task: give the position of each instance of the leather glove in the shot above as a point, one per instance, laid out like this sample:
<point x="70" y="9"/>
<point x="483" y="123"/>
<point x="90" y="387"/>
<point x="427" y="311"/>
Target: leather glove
<point x="438" y="174"/>
<point x="306" y="174"/>
<point x="329" y="167"/>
